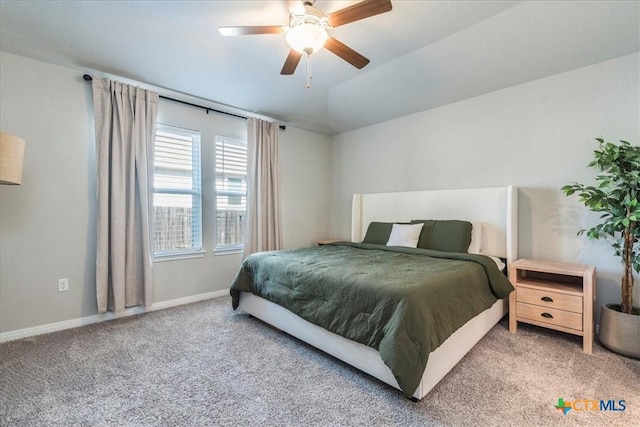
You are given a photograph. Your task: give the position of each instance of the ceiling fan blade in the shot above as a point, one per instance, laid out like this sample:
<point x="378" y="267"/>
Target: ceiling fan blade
<point x="291" y="62"/>
<point x="248" y="31"/>
<point x="359" y="11"/>
<point x="346" y="53"/>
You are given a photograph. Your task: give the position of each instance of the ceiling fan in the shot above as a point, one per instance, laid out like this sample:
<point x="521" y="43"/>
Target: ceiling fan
<point x="307" y="32"/>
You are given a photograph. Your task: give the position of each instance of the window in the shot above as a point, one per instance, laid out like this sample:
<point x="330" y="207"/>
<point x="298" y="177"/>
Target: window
<point x="177" y="200"/>
<point x="231" y="193"/>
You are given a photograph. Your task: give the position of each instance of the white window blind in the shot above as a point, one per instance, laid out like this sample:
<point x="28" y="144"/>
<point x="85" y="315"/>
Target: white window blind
<point x="177" y="199"/>
<point x="231" y="192"/>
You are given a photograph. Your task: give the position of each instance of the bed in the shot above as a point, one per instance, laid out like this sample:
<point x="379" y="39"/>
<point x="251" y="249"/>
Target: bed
<point x="493" y="212"/>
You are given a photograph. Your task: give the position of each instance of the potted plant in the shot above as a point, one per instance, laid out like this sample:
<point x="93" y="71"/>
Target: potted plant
<point x="617" y="197"/>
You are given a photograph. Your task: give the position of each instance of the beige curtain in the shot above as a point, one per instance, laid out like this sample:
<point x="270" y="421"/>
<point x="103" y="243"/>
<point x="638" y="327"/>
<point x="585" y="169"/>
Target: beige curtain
<point x="263" y="188"/>
<point x="125" y="118"/>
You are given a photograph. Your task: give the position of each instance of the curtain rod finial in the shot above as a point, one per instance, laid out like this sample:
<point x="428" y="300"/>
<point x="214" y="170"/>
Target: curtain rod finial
<point x="87" y="78"/>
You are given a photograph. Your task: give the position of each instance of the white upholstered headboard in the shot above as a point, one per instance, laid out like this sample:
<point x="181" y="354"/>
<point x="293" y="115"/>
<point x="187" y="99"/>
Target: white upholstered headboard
<point x="496" y="208"/>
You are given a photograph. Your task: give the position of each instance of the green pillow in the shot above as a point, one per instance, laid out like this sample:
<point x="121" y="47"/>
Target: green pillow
<point x="378" y="233"/>
<point x="444" y="235"/>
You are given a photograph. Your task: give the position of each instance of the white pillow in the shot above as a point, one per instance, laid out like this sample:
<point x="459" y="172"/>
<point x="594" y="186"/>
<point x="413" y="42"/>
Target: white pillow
<point x="475" y="247"/>
<point x="405" y="235"/>
<point x="501" y="265"/>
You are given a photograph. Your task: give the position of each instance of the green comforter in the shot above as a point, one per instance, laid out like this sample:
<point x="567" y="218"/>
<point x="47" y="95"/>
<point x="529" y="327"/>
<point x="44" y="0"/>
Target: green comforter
<point x="403" y="302"/>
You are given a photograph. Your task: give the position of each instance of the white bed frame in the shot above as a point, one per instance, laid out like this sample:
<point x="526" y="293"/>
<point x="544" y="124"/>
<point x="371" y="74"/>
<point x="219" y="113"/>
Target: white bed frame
<point x="495" y="208"/>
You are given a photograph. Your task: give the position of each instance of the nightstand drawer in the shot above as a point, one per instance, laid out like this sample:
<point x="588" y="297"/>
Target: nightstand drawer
<point x="552" y="316"/>
<point x="550" y="299"/>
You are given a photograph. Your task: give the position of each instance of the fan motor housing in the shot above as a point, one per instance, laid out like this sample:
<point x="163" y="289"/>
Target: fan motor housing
<point x="311" y="15"/>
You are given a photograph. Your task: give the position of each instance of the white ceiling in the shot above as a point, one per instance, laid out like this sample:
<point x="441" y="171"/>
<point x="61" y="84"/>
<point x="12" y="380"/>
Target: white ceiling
<point x="423" y="53"/>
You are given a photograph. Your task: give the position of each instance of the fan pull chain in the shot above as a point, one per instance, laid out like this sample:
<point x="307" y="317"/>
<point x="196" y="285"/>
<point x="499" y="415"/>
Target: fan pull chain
<point x="309" y="76"/>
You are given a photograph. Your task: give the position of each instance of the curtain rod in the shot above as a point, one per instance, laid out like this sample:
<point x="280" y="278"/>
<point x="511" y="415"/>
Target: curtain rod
<point x="88" y="78"/>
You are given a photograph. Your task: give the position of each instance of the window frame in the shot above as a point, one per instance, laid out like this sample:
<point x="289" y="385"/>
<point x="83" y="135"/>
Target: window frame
<point x="196" y="191"/>
<point x="217" y="247"/>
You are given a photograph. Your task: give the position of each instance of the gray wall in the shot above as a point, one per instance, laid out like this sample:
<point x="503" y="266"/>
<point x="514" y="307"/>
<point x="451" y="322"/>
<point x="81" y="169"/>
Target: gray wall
<point x="47" y="224"/>
<point x="537" y="136"/>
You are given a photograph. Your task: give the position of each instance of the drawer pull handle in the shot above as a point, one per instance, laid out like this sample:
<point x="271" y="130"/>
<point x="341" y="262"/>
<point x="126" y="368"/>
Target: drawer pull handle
<point x="547" y="315"/>
<point x="547" y="299"/>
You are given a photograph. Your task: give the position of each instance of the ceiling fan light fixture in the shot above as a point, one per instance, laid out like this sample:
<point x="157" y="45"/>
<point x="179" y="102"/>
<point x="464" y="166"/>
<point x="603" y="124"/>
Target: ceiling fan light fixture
<point x="307" y="37"/>
<point x="307" y="32"/>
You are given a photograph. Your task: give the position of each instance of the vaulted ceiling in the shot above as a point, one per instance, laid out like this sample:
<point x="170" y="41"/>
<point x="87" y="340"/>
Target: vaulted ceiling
<point x="423" y="53"/>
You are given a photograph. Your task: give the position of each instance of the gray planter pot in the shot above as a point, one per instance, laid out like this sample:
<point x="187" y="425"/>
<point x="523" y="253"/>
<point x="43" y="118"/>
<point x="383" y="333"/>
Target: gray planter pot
<point x="620" y="332"/>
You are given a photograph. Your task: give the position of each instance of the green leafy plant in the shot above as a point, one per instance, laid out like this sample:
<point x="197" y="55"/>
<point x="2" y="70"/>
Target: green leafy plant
<point x="617" y="196"/>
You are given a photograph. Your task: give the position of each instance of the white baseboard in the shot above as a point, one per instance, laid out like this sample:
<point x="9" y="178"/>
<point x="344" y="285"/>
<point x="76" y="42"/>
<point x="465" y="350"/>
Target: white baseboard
<point x="102" y="317"/>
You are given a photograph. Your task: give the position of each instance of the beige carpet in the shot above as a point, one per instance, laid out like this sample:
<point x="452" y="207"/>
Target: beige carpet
<point x="201" y="364"/>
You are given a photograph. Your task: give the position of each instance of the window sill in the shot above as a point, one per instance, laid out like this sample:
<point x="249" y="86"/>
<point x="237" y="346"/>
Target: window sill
<point x="176" y="257"/>
<point x="230" y="251"/>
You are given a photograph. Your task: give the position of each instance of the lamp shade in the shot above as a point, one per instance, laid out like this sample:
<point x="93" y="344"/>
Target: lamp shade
<point x="11" y="158"/>
<point x="307" y="38"/>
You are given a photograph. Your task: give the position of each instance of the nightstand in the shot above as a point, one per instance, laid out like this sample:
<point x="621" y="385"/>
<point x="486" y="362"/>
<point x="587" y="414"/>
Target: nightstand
<point x="553" y="295"/>
<point x="327" y="241"/>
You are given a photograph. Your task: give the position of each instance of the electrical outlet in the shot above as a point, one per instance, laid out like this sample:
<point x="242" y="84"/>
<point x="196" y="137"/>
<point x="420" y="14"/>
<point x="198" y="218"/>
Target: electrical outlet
<point x="63" y="285"/>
